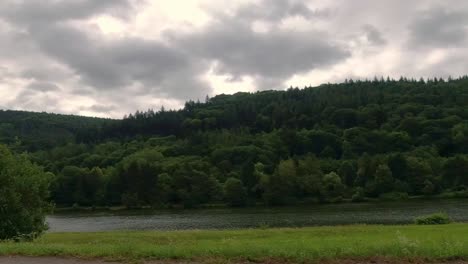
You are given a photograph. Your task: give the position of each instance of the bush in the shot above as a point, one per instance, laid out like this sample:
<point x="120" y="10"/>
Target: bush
<point x="393" y="196"/>
<point x="24" y="190"/>
<point x="358" y="195"/>
<point x="454" y="194"/>
<point x="433" y="219"/>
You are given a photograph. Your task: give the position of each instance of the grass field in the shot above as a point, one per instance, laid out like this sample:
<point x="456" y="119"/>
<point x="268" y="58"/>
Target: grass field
<point x="302" y="244"/>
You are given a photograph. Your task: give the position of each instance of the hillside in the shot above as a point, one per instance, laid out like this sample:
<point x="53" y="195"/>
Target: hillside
<point x="352" y="141"/>
<point x="37" y="131"/>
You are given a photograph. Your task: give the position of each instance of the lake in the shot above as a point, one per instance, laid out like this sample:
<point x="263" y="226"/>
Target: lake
<point x="332" y="214"/>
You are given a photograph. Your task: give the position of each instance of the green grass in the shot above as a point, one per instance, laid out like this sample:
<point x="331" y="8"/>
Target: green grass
<point x="301" y="244"/>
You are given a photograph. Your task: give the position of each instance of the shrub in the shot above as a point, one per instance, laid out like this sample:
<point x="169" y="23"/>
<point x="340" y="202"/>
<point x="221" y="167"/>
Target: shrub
<point x="454" y="194"/>
<point x="130" y="200"/>
<point x="358" y="195"/>
<point x="433" y="219"/>
<point x="24" y="190"/>
<point x="393" y="196"/>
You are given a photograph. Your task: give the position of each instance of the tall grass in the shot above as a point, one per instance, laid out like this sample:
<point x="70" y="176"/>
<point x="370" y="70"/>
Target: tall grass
<point x="301" y="244"/>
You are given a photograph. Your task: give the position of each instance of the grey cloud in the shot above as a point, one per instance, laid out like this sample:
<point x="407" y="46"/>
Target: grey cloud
<point x="14" y="45"/>
<point x="170" y="69"/>
<point x="83" y="91"/>
<point x="233" y="78"/>
<point x="439" y="27"/>
<point x="34" y="100"/>
<point x="454" y="64"/>
<point x="4" y="73"/>
<point x="115" y="64"/>
<point x="41" y="45"/>
<point x="269" y="58"/>
<point x="173" y="70"/>
<point x="43" y="87"/>
<point x="46" y="11"/>
<point x="274" y="10"/>
<point x="45" y="73"/>
<point x="373" y="35"/>
<point x="101" y="108"/>
<point x="24" y="97"/>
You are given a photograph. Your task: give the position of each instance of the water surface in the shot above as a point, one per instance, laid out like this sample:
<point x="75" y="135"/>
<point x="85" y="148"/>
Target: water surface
<point x="334" y="214"/>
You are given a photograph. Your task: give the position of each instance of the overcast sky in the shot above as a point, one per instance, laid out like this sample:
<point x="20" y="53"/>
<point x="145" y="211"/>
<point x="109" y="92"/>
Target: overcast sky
<point x="112" y="57"/>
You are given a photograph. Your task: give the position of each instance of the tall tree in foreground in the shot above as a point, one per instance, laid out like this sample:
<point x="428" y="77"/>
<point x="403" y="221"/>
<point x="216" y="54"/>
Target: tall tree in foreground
<point x="24" y="190"/>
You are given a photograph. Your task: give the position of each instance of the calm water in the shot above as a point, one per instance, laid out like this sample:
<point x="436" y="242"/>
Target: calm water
<point x="336" y="214"/>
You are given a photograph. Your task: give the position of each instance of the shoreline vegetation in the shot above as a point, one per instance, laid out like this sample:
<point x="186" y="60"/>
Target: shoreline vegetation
<point x="122" y="208"/>
<point x="412" y="243"/>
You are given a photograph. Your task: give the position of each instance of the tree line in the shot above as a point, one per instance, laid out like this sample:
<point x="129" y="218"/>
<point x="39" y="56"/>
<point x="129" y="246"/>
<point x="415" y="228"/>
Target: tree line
<point x="353" y="141"/>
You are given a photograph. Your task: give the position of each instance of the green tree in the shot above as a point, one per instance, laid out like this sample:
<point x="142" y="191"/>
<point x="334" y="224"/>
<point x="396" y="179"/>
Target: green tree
<point x="347" y="173"/>
<point x="24" y="190"/>
<point x="309" y="177"/>
<point x="455" y="171"/>
<point x="365" y="170"/>
<point x="328" y="152"/>
<point x="460" y="136"/>
<point x="333" y="188"/>
<point x="419" y="170"/>
<point x="279" y="186"/>
<point x="359" y="195"/>
<point x="234" y="192"/>
<point x="163" y="190"/>
<point x="383" y="179"/>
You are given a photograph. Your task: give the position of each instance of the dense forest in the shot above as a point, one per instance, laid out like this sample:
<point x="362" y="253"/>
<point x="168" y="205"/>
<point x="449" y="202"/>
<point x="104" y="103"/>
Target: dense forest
<point x="358" y="140"/>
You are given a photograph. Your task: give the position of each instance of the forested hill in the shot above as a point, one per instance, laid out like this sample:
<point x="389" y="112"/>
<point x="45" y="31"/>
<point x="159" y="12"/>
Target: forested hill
<point x="381" y="139"/>
<point x="38" y="131"/>
<point x="369" y="105"/>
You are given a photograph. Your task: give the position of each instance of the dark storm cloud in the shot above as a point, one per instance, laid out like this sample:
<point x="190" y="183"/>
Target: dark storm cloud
<point x="439" y="27"/>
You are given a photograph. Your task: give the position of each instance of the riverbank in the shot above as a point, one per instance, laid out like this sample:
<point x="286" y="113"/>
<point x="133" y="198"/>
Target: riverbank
<point x="393" y="213"/>
<point x="447" y="196"/>
<point x="408" y="242"/>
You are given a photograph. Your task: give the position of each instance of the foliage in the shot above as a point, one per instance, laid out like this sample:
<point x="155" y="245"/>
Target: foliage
<point x="393" y="196"/>
<point x="359" y="195"/>
<point x="361" y="139"/>
<point x="24" y="189"/>
<point x="433" y="219"/>
<point x="234" y="192"/>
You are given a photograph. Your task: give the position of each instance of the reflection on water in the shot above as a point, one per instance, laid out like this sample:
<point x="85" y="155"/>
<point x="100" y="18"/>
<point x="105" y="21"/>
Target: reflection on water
<point x="336" y="214"/>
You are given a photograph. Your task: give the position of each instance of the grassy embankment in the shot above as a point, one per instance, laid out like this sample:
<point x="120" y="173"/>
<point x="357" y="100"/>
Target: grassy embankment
<point x="301" y="244"/>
